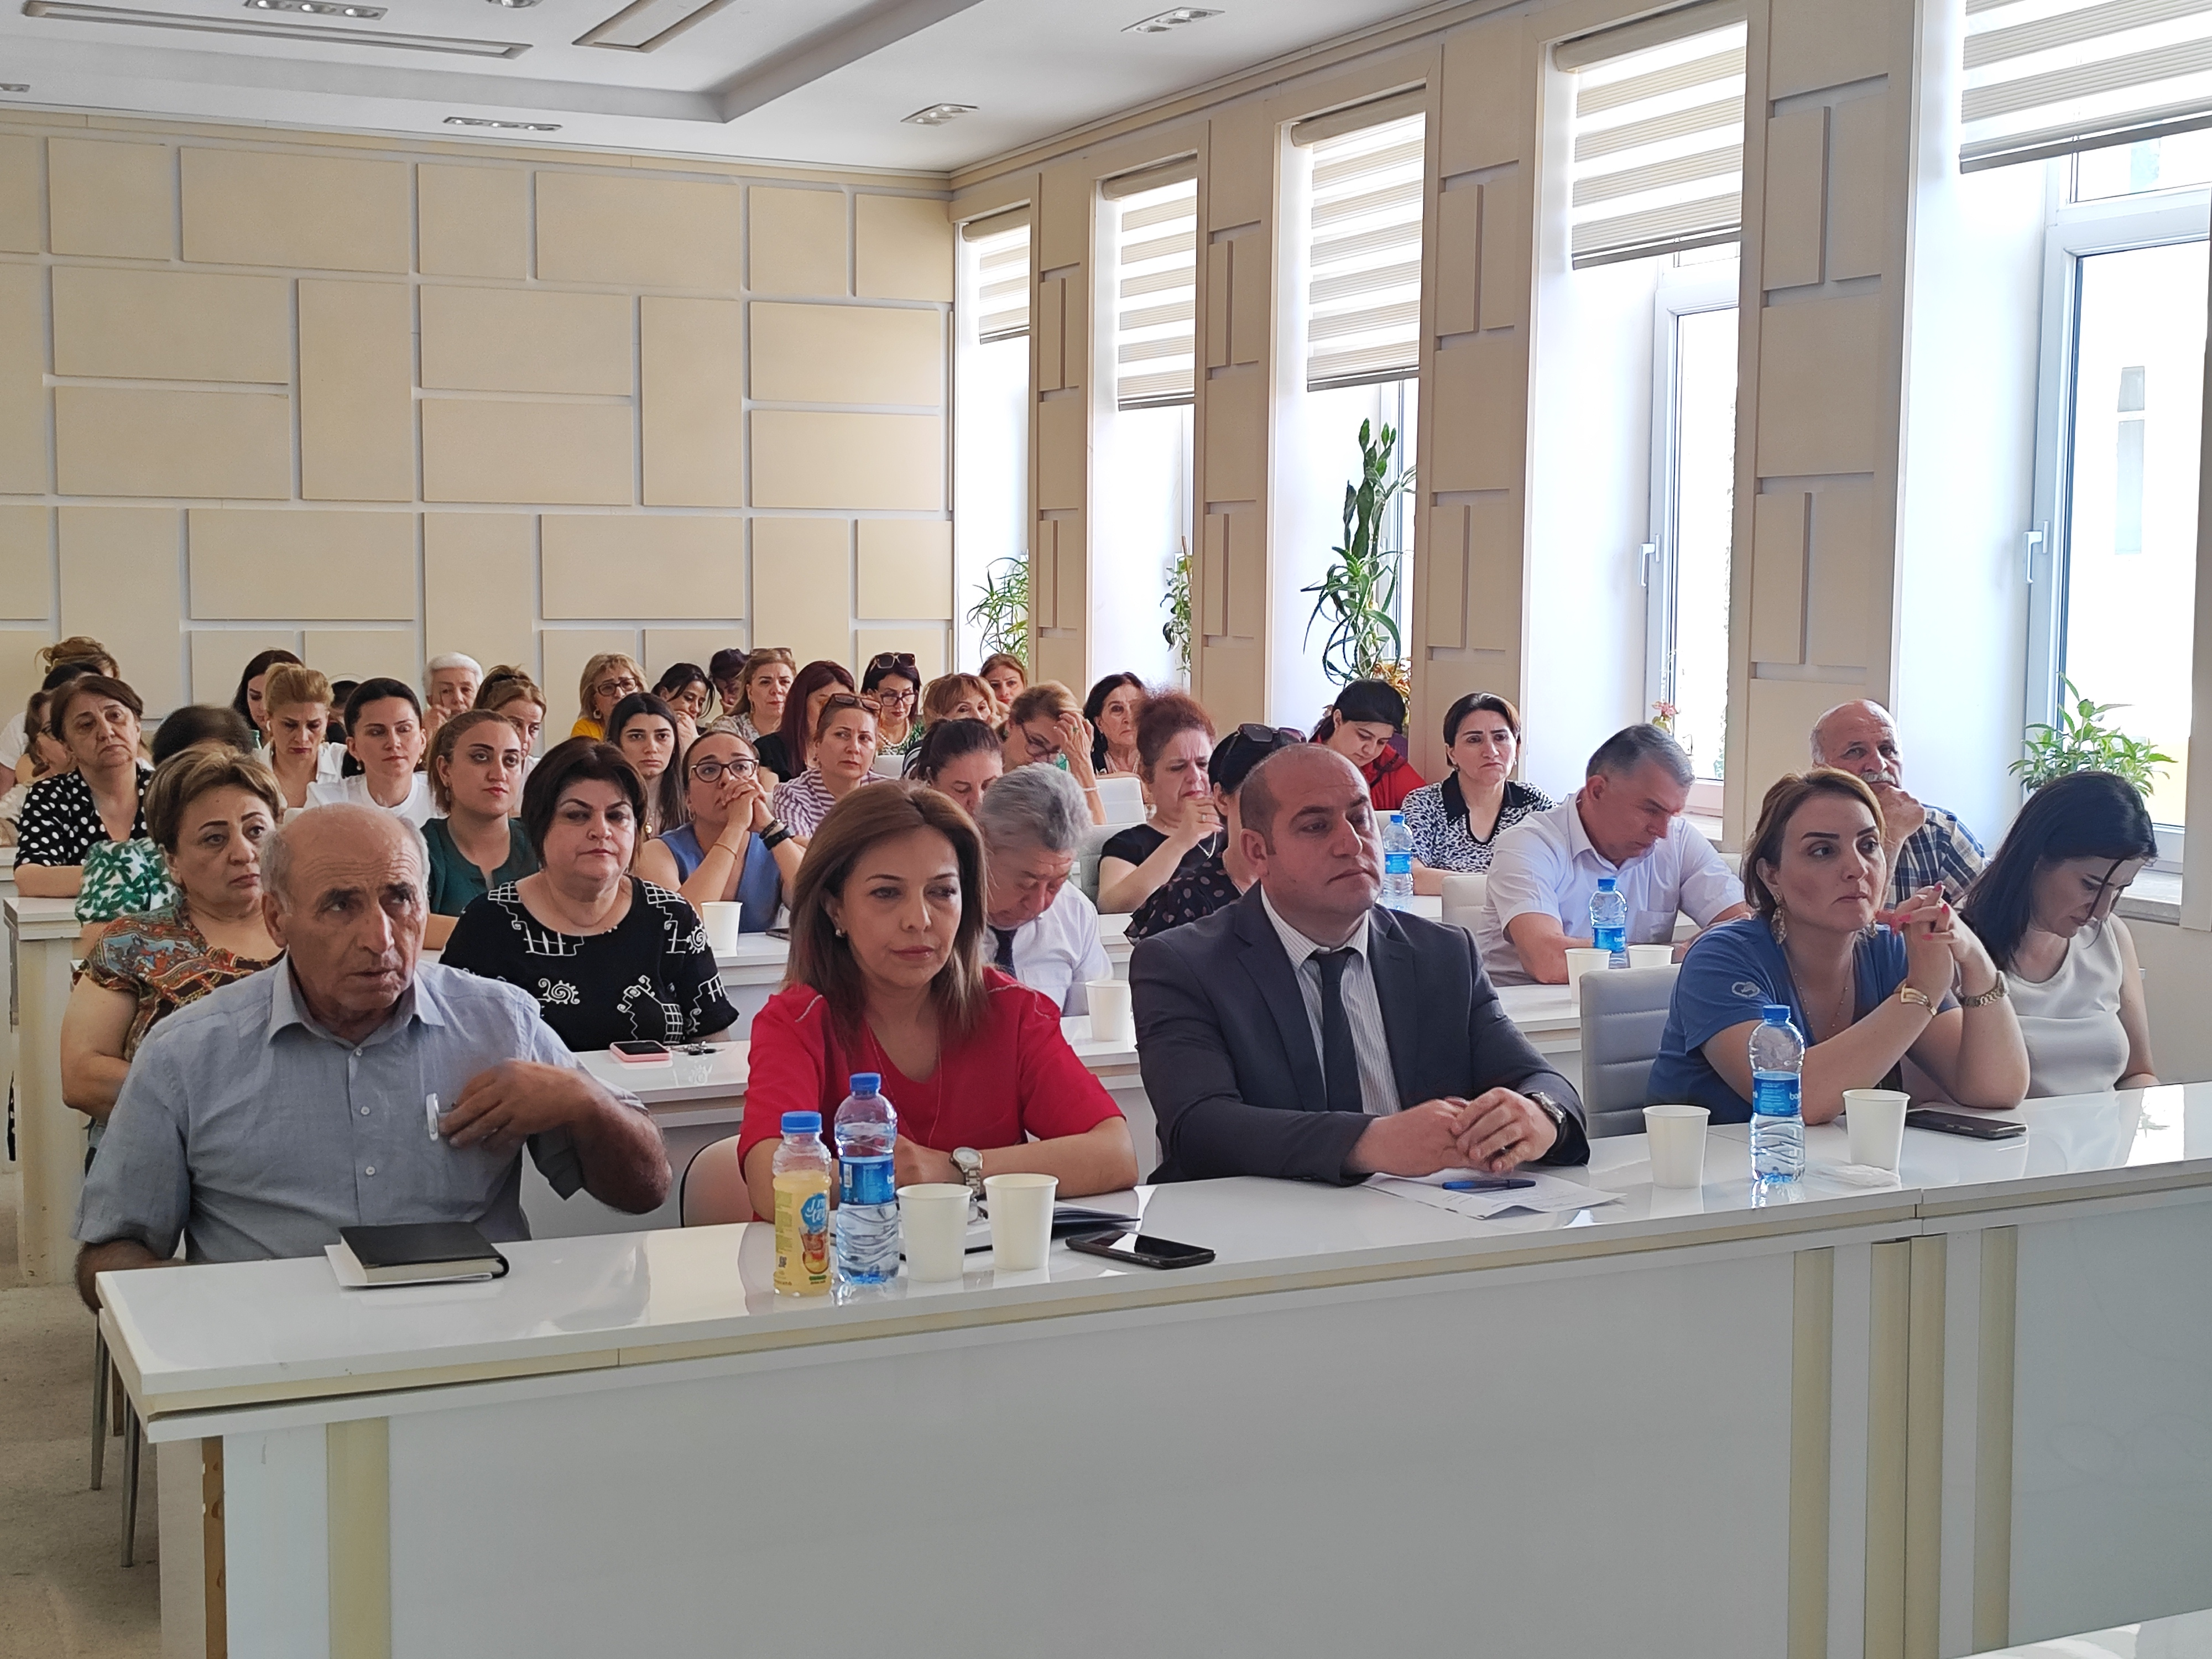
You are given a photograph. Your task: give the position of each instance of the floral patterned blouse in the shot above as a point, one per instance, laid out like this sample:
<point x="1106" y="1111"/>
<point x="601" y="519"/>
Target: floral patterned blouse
<point x="1200" y="886"/>
<point x="1435" y="817"/>
<point x="165" y="961"/>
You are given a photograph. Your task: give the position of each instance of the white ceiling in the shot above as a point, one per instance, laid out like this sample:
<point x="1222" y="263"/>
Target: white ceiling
<point x="826" y="81"/>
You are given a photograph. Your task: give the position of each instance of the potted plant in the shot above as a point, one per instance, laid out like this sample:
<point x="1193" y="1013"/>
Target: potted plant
<point x="1176" y="631"/>
<point x="1003" y="611"/>
<point x="2080" y="740"/>
<point x="1358" y="592"/>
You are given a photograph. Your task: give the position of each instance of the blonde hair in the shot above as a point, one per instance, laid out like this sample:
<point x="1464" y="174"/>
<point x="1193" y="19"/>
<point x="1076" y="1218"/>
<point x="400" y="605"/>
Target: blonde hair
<point x="184" y="777"/>
<point x="1047" y="697"/>
<point x="504" y="684"/>
<point x="78" y="647"/>
<point x="595" y="666"/>
<point x="291" y="685"/>
<point x="939" y="695"/>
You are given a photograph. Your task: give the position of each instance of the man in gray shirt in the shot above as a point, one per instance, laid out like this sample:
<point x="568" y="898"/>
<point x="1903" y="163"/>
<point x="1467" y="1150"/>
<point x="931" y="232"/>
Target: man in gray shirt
<point x="268" y="1113"/>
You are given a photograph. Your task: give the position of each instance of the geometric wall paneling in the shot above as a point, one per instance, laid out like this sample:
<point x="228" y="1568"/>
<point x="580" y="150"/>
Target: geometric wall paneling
<point x="476" y="568"/>
<point x="219" y="656"/>
<point x="905" y="569"/>
<point x="1505" y="269"/>
<point x="111" y="200"/>
<point x="691" y="363"/>
<point x="24" y="399"/>
<point x="1779" y="540"/>
<point x="472" y="222"/>
<point x="493" y="339"/>
<point x="598" y="564"/>
<point x="1063" y="457"/>
<point x="112" y="441"/>
<point x="356" y="391"/>
<point x="1796" y="198"/>
<point x="847" y="355"/>
<point x="1778" y="725"/>
<point x="637" y="233"/>
<point x="1840" y="556"/>
<point x="27" y="562"/>
<point x="1479" y="400"/>
<point x="928" y="645"/>
<point x="326" y="565"/>
<point x="901" y="248"/>
<point x="572" y="454"/>
<point x="801" y="597"/>
<point x="1459" y="252"/>
<point x="1062" y="232"/>
<point x="1044" y="576"/>
<point x="797" y="241"/>
<point x="1232" y="577"/>
<point x="665" y="646"/>
<point x="1858" y="230"/>
<point x="112" y="322"/>
<point x="566" y="651"/>
<point x="818" y="458"/>
<point x="1237" y="436"/>
<point x="1236" y="269"/>
<point x="1819" y="373"/>
<point x="22" y="224"/>
<point x="1813" y="44"/>
<point x="360" y="653"/>
<point x="120" y="584"/>
<point x="1240" y="167"/>
<point x="317" y="212"/>
<point x="1057" y="367"/>
<point x="1475" y="558"/>
<point x="1484" y="90"/>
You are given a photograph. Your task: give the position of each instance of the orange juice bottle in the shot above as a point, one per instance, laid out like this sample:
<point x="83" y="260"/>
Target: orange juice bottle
<point x="801" y="1172"/>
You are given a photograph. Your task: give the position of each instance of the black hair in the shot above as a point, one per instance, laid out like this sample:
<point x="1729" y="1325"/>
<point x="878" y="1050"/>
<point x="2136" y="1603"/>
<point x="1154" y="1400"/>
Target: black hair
<point x="1364" y="700"/>
<point x="379" y="690"/>
<point x="1094" y="705"/>
<point x="2083" y="815"/>
<point x="947" y="742"/>
<point x="202" y="722"/>
<point x="678" y="677"/>
<point x="670" y="805"/>
<point x="566" y="763"/>
<point x="257" y="665"/>
<point x="62" y="672"/>
<point x="1236" y="755"/>
<point x="1487" y="703"/>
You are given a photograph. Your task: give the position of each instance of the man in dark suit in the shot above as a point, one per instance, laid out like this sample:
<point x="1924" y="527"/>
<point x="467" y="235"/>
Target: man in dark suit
<point x="1305" y="1034"/>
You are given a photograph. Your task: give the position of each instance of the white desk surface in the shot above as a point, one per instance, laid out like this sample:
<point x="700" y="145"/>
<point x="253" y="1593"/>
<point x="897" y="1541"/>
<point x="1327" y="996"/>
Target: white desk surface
<point x="43" y="918"/>
<point x="261" y="1332"/>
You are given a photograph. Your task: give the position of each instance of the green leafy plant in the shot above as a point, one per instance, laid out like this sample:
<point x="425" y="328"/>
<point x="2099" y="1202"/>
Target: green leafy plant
<point x="1003" y="611"/>
<point x="1176" y="631"/>
<point x="2080" y="740"/>
<point x="1358" y="592"/>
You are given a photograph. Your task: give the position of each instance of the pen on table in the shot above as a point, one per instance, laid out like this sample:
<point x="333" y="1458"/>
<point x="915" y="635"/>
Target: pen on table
<point x="1488" y="1184"/>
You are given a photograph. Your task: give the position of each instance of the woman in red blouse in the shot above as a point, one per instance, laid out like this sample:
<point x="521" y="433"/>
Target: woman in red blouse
<point x="887" y="975"/>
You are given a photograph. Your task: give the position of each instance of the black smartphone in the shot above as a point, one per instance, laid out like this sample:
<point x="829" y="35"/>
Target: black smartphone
<point x="1143" y="1248"/>
<point x="1958" y="1123"/>
<point x="783" y="933"/>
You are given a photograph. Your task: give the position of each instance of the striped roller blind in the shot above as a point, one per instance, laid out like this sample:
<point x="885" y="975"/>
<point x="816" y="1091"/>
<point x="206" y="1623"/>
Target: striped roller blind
<point x="1156" y="310"/>
<point x="2048" y="77"/>
<point x="1364" y="315"/>
<point x="1002" y="275"/>
<point x="1658" y="147"/>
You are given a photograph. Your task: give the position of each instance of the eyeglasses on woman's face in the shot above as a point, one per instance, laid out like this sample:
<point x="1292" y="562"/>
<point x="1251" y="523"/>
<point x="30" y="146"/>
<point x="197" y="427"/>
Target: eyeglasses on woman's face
<point x="713" y="771"/>
<point x="891" y="699"/>
<point x="623" y="686"/>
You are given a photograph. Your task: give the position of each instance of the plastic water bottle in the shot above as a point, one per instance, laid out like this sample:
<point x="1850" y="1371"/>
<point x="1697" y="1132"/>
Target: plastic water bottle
<point x="801" y="1177"/>
<point x="1778" y="1122"/>
<point x="1397" y="864"/>
<point x="868" y="1194"/>
<point x="1609" y="920"/>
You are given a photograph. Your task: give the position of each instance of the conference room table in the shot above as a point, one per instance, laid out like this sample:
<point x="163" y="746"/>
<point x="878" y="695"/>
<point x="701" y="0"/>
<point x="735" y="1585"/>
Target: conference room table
<point x="1924" y="1415"/>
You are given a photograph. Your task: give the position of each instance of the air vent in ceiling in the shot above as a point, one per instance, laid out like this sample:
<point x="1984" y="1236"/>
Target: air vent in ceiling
<point x="72" y="11"/>
<point x="646" y="25"/>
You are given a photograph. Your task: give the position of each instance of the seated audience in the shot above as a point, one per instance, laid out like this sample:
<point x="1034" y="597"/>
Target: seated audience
<point x="1045" y="728"/>
<point x="644" y="728"/>
<point x="297" y="701"/>
<point x="726" y="669"/>
<point x="477" y="775"/>
<point x="342" y="692"/>
<point x="1456" y="823"/>
<point x="450" y="684"/>
<point x="57" y="677"/>
<point x="1404" y="1063"/>
<point x="124" y="877"/>
<point x="1359" y="726"/>
<point x="511" y="692"/>
<point x="1864" y="996"/>
<point x="384" y="726"/>
<point x="895" y="683"/>
<point x="843" y="757"/>
<point x="44" y="757"/>
<point x="1007" y="676"/>
<point x="209" y="813"/>
<point x="1042" y="930"/>
<point x="684" y="686"/>
<point x="64" y="817"/>
<point x="887" y="977"/>
<point x="1175" y="741"/>
<point x="608" y="678"/>
<point x="2043" y="909"/>
<point x="731" y="850"/>
<point x="959" y="697"/>
<point x="1626" y="822"/>
<point x="1113" y="708"/>
<point x="63" y="661"/>
<point x="961" y="757"/>
<point x="247" y="1118"/>
<point x="251" y="699"/>
<point x="609" y="958"/>
<point x="786" y="751"/>
<point x="1216" y="873"/>
<point x="755" y="704"/>
<point x="204" y="726"/>
<point x="1927" y="846"/>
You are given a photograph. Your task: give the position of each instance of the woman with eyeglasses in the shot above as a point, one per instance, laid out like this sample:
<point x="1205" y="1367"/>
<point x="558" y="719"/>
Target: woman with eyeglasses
<point x="1045" y="727"/>
<point x="645" y="730"/>
<point x="843" y="753"/>
<point x="608" y="678"/>
<point x="733" y="850"/>
<point x="895" y="683"/>
<point x="1174" y="743"/>
<point x="784" y="751"/>
<point x="1217" y="873"/>
<point x="475" y="777"/>
<point x="1113" y="708"/>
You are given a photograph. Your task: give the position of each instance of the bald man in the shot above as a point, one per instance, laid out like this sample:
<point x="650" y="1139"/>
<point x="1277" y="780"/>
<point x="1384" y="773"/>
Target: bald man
<point x="270" y="1113"/>
<point x="1927" y="846"/>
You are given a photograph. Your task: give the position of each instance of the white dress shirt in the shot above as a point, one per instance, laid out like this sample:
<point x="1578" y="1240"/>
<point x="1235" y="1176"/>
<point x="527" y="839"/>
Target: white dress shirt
<point x="1546" y="866"/>
<point x="418" y="809"/>
<point x="1059" y="953"/>
<point x="1363" y="1009"/>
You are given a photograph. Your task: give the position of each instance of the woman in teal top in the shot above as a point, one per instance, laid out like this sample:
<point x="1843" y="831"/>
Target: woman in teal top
<point x="476" y="778"/>
<point x="732" y="849"/>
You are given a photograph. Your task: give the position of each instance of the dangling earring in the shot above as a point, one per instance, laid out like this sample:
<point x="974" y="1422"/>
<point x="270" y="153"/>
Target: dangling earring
<point x="1778" y="923"/>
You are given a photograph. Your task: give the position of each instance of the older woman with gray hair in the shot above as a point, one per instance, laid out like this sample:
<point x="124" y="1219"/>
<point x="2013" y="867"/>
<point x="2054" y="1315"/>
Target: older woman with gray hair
<point x="1041" y="929"/>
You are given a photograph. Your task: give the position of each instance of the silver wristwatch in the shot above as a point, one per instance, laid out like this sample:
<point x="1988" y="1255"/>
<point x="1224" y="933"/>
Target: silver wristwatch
<point x="1552" y="1109"/>
<point x="970" y="1162"/>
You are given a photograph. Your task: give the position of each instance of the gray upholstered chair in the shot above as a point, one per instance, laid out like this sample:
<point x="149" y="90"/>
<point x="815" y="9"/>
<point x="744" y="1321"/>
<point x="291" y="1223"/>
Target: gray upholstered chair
<point x="1624" y="1014"/>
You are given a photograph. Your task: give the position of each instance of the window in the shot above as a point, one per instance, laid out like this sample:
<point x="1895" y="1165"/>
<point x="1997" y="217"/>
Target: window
<point x="1364" y="258"/>
<point x="1156" y="291"/>
<point x="991" y="431"/>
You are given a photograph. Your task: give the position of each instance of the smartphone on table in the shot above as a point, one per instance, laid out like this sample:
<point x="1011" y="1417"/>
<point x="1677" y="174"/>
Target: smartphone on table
<point x="1141" y="1250"/>
<point x="1962" y="1124"/>
<point x="640" y="1053"/>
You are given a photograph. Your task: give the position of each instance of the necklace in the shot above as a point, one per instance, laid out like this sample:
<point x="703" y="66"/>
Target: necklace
<point x="882" y="1062"/>
<point x="1842" y="1009"/>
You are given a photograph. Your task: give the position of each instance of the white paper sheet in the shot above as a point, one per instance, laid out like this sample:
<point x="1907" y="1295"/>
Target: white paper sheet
<point x="1549" y="1196"/>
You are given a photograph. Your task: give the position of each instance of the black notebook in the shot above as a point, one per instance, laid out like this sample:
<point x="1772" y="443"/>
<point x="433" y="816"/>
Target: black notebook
<point x="421" y="1252"/>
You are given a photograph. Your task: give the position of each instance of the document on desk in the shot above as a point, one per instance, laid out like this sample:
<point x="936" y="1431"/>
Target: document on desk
<point x="1549" y="1195"/>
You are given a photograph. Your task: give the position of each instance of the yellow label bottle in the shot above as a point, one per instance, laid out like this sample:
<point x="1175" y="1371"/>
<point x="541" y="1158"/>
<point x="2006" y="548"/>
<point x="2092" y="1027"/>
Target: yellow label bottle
<point x="802" y="1207"/>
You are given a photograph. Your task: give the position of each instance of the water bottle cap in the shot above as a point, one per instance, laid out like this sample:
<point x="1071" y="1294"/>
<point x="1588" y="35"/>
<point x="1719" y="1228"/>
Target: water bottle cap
<point x="866" y="1083"/>
<point x="802" y="1123"/>
<point x="1397" y="817"/>
<point x="1774" y="1013"/>
<point x="1605" y="883"/>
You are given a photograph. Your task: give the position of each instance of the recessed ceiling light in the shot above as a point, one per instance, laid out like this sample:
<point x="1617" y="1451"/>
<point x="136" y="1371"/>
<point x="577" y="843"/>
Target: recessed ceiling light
<point x="1164" y="21"/>
<point x="15" y="86"/>
<point x="79" y="11"/>
<point x="315" y="8"/>
<point x="937" y="115"/>
<point x="503" y="126"/>
<point x="515" y="5"/>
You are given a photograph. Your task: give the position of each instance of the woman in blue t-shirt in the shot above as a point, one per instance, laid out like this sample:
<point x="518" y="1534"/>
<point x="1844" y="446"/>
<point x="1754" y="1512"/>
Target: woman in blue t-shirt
<point x="732" y="849"/>
<point x="1866" y="989"/>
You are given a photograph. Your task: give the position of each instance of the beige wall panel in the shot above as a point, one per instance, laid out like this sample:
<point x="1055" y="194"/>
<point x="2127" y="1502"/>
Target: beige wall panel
<point x="648" y="232"/>
<point x="220" y="655"/>
<point x="1240" y="165"/>
<point x="115" y="323"/>
<point x="1247" y="298"/>
<point x="1459" y="253"/>
<point x="120" y="584"/>
<point x="1048" y="328"/>
<point x="113" y="200"/>
<point x="1858" y="225"/>
<point x="1212" y="596"/>
<point x="1494" y="574"/>
<point x="666" y="647"/>
<point x="1838" y="587"/>
<point x="1505" y="268"/>
<point x="22" y="218"/>
<point x="356" y="391"/>
<point x="324" y="212"/>
<point x="115" y="442"/>
<point x="1825" y="43"/>
<point x="574" y="454"/>
<point x="1071" y="587"/>
<point x="500" y="339"/>
<point x="802" y="599"/>
<point x="1819" y="371"/>
<point x="1044" y="576"/>
<point x="847" y="355"/>
<point x="691" y="402"/>
<point x="476" y="582"/>
<point x="361" y="654"/>
<point x="566" y="651"/>
<point x="335" y="566"/>
<point x="27" y="564"/>
<point x="1781" y="725"/>
<point x="472" y="222"/>
<point x="797" y="243"/>
<point x="806" y="458"/>
<point x="1061" y="234"/>
<point x="1481" y="414"/>
<point x="905" y="568"/>
<point x="901" y="248"/>
<point x="592" y="563"/>
<point x="1444" y="603"/>
<point x="1235" y="438"/>
<point x="928" y="645"/>
<point x="1063" y="440"/>
<point x="1777" y="577"/>
<point x="1217" y="318"/>
<point x="21" y="671"/>
<point x="23" y="394"/>
<point x="1482" y="91"/>
<point x="1246" y="575"/>
<point x="1796" y="198"/>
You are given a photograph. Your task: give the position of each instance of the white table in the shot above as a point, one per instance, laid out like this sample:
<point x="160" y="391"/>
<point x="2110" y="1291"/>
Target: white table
<point x="1931" y="1418"/>
<point x="50" y="1137"/>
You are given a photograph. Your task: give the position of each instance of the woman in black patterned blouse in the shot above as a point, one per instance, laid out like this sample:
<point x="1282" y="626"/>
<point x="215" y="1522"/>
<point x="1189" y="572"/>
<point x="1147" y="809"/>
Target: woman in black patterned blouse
<point x="1210" y="878"/>
<point x="96" y="718"/>
<point x="1455" y="823"/>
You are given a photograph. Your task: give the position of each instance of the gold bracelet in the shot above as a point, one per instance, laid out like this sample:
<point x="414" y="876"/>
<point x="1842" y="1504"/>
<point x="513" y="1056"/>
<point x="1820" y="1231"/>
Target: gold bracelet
<point x="1912" y="995"/>
<point x="1996" y="993"/>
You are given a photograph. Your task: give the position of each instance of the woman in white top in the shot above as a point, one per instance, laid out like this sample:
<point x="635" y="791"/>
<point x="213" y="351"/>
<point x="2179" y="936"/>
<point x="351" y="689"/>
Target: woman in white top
<point x="295" y="702"/>
<point x="2044" y="909"/>
<point x="384" y="733"/>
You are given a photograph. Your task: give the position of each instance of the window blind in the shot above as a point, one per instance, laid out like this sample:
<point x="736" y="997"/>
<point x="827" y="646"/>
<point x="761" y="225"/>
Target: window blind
<point x="1364" y="303"/>
<point x="1002" y="275"/>
<point x="1658" y="148"/>
<point x="1156" y="314"/>
<point x="2048" y="77"/>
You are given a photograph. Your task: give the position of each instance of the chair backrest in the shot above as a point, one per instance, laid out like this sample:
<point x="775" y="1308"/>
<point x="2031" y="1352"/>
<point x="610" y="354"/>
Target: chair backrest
<point x="889" y="766"/>
<point x="1462" y="897"/>
<point x="1123" y="798"/>
<point x="714" y="1186"/>
<point x="1623" y="1015"/>
<point x="1086" y="873"/>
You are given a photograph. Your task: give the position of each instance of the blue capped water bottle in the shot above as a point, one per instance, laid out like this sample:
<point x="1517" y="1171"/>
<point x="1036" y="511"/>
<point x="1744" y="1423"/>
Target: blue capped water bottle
<point x="1777" y="1119"/>
<point x="866" y="1127"/>
<point x="1609" y="920"/>
<point x="1397" y="864"/>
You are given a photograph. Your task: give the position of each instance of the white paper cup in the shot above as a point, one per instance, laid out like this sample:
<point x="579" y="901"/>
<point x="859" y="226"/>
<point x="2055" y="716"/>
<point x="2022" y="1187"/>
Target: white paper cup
<point x="1875" y="1121"/>
<point x="933" y="1231"/>
<point x="1581" y="959"/>
<point x="1112" y="1018"/>
<point x="1021" y="1218"/>
<point x="724" y="923"/>
<point x="1676" y="1136"/>
<point x="1650" y="956"/>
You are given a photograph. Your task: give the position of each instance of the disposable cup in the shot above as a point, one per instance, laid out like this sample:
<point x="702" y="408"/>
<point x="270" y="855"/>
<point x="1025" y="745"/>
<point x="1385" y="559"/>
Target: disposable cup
<point x="1650" y="956"/>
<point x="1581" y="959"/>
<point x="1875" y="1121"/>
<point x="1021" y="1218"/>
<point x="1112" y="1019"/>
<point x="933" y="1231"/>
<point x="1676" y="1135"/>
<point x="724" y="923"/>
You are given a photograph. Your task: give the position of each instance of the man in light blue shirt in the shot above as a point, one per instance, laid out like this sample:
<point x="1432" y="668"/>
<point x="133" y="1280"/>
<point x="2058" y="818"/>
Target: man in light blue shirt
<point x="268" y="1114"/>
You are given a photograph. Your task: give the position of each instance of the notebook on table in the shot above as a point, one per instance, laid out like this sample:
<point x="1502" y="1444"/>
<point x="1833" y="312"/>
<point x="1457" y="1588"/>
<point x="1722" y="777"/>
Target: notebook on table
<point x="417" y="1253"/>
<point x="1067" y="1220"/>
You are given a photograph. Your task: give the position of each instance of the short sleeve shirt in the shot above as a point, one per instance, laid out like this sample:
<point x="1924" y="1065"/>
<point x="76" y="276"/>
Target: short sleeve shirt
<point x="1200" y="886"/>
<point x="61" y="819"/>
<point x="163" y="962"/>
<point x="455" y="884"/>
<point x="1436" y="818"/>
<point x="1133" y="845"/>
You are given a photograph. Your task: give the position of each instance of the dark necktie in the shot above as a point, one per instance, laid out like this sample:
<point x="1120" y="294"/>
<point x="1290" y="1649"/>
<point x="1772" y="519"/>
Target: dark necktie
<point x="1004" y="958"/>
<point x="1339" y="1064"/>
